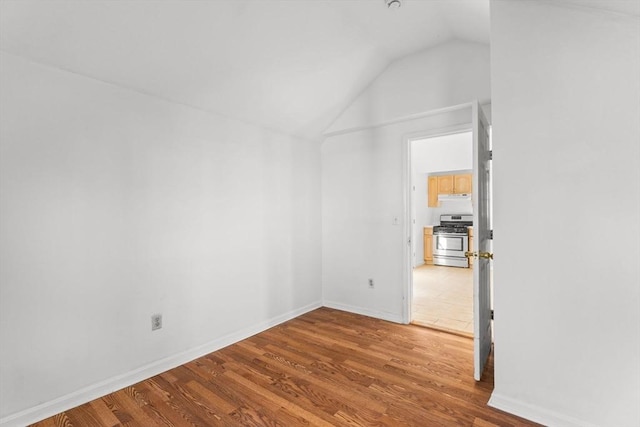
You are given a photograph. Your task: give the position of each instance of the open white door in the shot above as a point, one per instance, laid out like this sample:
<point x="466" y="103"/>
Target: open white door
<point x="481" y="234"/>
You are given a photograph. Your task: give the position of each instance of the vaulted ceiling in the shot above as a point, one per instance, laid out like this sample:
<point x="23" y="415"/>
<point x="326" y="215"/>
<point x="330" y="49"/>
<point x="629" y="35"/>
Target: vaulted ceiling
<point x="290" y="65"/>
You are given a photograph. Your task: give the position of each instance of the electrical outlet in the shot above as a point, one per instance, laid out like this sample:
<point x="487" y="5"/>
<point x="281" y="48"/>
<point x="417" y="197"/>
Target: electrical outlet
<point x="156" y="321"/>
<point x="371" y="283"/>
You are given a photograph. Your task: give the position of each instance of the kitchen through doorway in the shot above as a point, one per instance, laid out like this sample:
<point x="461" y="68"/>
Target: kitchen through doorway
<point x="441" y="184"/>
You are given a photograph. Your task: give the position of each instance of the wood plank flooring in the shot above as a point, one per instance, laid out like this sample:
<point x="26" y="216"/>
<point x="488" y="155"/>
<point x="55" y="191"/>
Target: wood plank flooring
<point x="325" y="368"/>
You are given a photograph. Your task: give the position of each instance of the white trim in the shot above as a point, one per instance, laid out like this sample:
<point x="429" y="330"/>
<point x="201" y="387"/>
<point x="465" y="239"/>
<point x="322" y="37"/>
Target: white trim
<point x="400" y="119"/>
<point x="383" y="315"/>
<point x="407" y="176"/>
<point x="438" y="132"/>
<point x="408" y="118"/>
<point x="407" y="253"/>
<point x="534" y="413"/>
<point x="102" y="388"/>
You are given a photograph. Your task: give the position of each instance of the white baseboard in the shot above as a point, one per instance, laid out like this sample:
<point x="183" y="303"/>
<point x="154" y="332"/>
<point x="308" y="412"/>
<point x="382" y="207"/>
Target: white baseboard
<point x="391" y="317"/>
<point x="87" y="394"/>
<point x="535" y="413"/>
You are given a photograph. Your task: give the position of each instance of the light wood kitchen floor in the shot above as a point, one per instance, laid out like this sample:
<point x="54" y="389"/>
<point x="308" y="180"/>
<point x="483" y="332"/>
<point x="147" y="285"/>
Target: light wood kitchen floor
<point x="443" y="298"/>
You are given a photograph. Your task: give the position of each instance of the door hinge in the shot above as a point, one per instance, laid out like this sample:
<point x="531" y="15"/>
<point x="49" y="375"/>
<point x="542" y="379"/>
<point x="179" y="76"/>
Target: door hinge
<point x="491" y="314"/>
<point x="490" y="154"/>
<point x="491" y="234"/>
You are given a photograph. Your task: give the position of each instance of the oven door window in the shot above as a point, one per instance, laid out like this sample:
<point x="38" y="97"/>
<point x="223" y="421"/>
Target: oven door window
<point x="450" y="243"/>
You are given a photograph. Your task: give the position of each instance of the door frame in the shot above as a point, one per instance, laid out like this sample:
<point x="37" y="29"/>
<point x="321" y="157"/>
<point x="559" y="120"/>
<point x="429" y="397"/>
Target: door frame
<point x="407" y="184"/>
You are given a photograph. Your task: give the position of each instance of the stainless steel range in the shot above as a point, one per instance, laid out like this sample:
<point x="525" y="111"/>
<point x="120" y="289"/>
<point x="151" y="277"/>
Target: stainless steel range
<point x="451" y="240"/>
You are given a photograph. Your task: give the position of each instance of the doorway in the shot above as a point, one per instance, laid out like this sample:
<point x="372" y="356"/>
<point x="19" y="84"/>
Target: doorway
<point x="442" y="296"/>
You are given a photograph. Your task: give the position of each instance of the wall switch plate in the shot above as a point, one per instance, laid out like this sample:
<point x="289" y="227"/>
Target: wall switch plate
<point x="156" y="322"/>
<point x="371" y="283"/>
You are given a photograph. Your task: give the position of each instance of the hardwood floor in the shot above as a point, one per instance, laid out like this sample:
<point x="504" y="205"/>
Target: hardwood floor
<point x="325" y="368"/>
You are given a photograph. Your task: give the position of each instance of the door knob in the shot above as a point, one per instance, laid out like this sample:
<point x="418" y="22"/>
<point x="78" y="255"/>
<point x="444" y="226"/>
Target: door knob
<point x="470" y="254"/>
<point x="485" y="255"/>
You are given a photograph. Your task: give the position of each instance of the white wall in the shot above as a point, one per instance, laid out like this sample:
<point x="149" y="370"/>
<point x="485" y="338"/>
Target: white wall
<point x="362" y="192"/>
<point x="362" y="172"/>
<point x="115" y="206"/>
<point x="565" y="97"/>
<point x="438" y="154"/>
<point x="452" y="73"/>
<point x="442" y="153"/>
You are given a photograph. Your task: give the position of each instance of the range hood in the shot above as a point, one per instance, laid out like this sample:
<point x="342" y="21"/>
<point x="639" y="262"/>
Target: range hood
<point x="448" y="197"/>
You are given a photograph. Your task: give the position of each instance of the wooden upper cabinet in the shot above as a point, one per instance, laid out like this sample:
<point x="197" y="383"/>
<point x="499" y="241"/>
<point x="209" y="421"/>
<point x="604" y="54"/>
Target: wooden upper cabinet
<point x="462" y="184"/>
<point x="432" y="192"/>
<point x="445" y="184"/>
